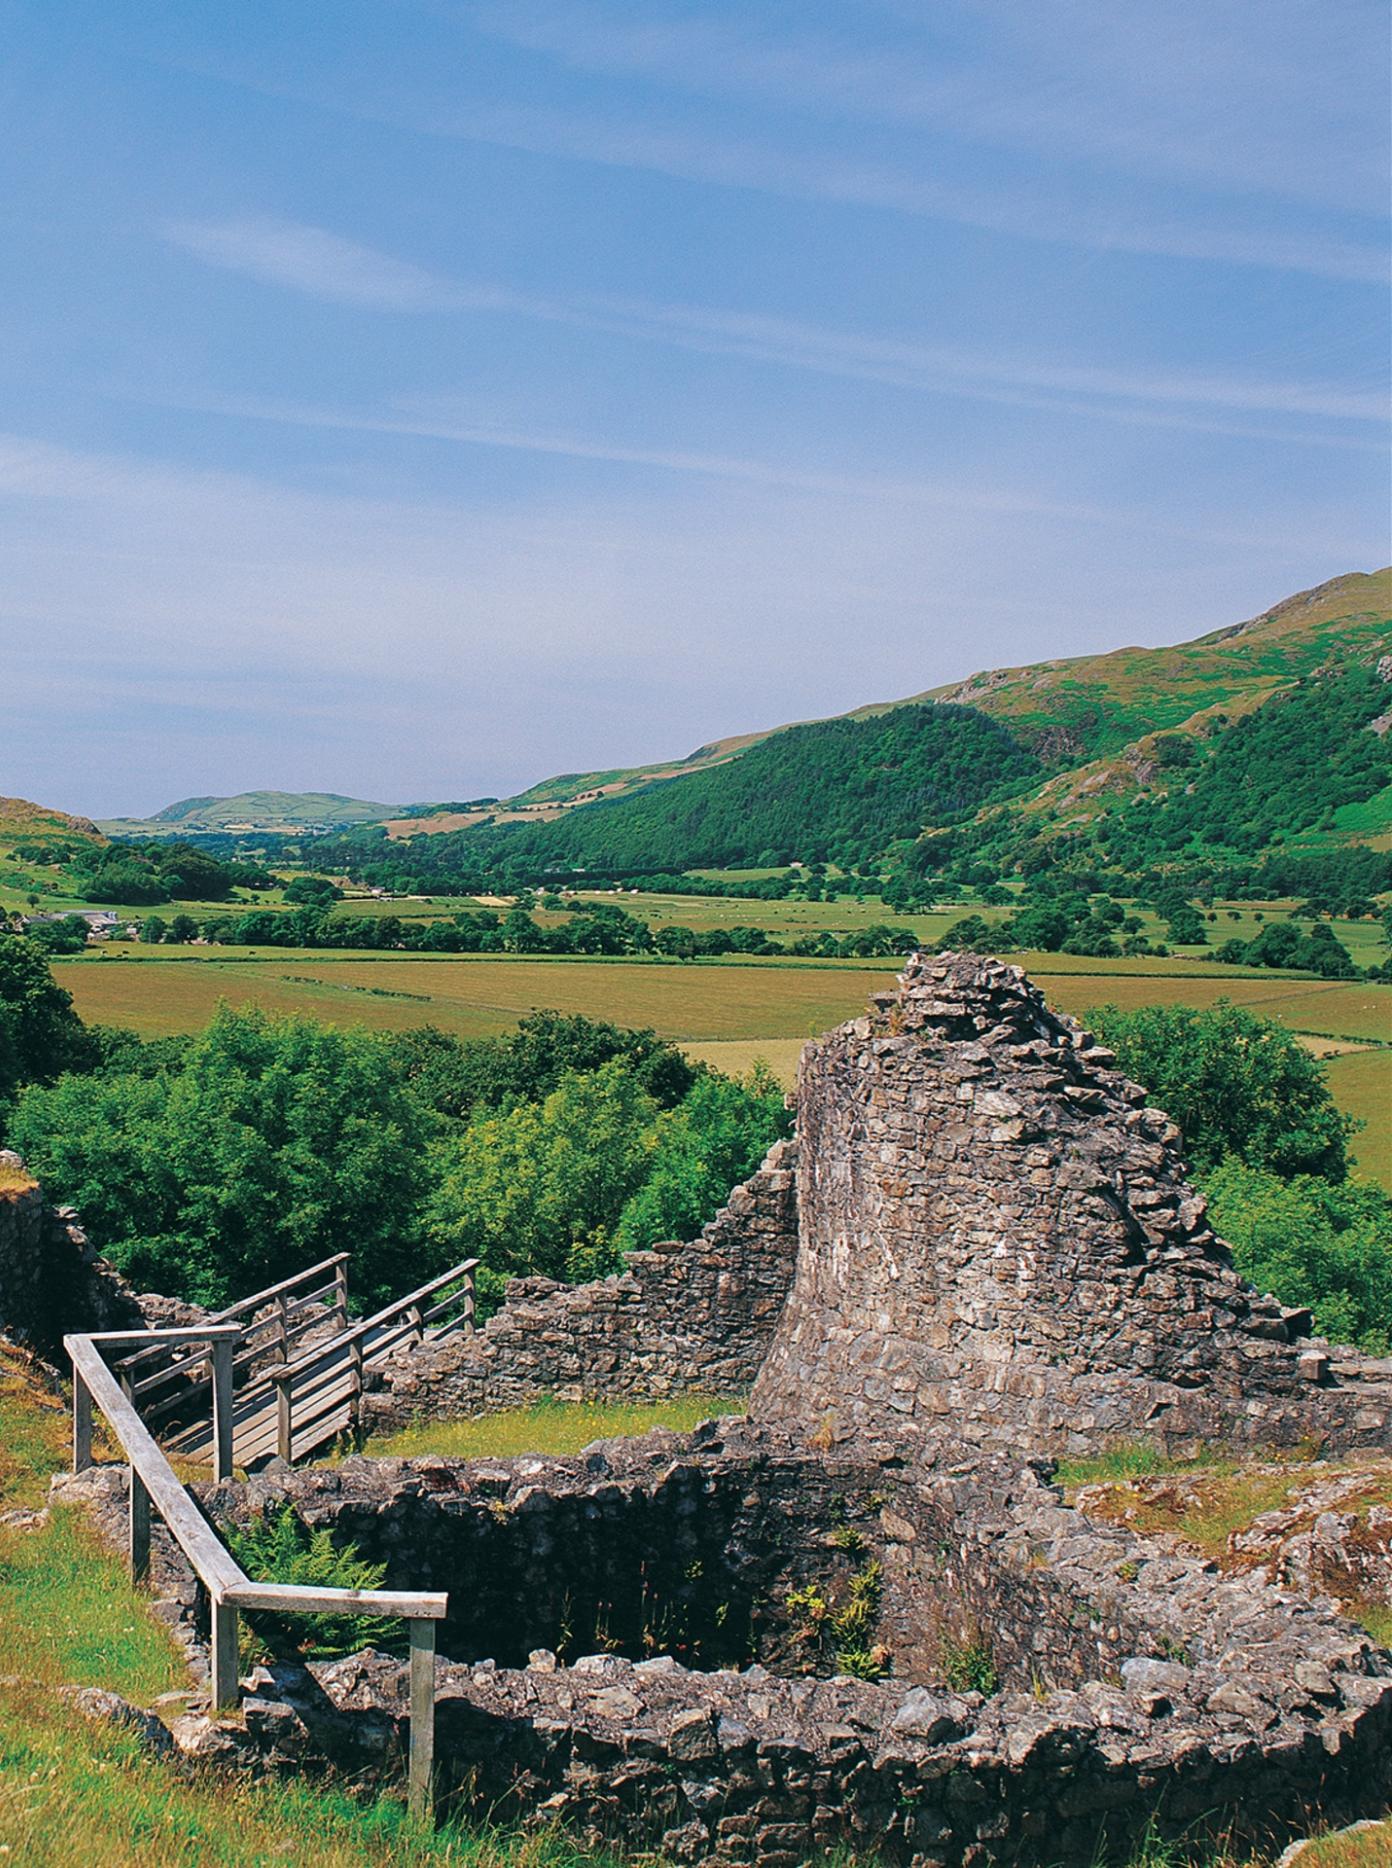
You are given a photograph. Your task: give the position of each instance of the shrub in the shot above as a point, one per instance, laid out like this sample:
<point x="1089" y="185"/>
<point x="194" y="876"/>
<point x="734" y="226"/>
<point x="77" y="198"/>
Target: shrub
<point x="710" y="1142"/>
<point x="266" y="1144"/>
<point x="1307" y="1242"/>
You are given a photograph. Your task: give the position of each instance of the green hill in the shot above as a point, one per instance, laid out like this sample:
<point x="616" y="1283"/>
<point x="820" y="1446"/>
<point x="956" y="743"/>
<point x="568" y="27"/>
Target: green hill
<point x="38" y="847"/>
<point x="1097" y="735"/>
<point x="1070" y="713"/>
<point x="254" y="810"/>
<point x="835" y="790"/>
<point x="1089" y="706"/>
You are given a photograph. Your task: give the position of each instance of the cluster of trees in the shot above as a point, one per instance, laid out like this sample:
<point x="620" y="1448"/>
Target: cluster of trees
<point x="211" y="1165"/>
<point x="1271" y="1150"/>
<point x="41" y="1035"/>
<point x="1225" y="809"/>
<point x="68" y="934"/>
<point x="593" y="928"/>
<point x="1283" y="944"/>
<point x="1064" y="920"/>
<point x="143" y="874"/>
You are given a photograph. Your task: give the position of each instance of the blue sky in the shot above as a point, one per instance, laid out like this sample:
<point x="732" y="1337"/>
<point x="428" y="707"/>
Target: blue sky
<point x="414" y="398"/>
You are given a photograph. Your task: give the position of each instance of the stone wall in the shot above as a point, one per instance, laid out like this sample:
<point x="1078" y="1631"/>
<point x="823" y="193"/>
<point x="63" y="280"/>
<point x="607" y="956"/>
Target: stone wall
<point x="1136" y="1683"/>
<point x="696" y="1318"/>
<point x="999" y="1242"/>
<point x="52" y="1279"/>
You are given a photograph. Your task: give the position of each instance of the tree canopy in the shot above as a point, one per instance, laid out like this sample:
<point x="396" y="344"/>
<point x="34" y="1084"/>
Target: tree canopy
<point x="1236" y="1084"/>
<point x="270" y="1143"/>
<point x="40" y="1033"/>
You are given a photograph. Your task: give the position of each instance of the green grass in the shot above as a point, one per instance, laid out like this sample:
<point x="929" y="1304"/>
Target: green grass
<point x="556" y="1427"/>
<point x="1361" y="1084"/>
<point x="1367" y="1848"/>
<point x="74" y="1791"/>
<point x="71" y="1792"/>
<point x="67" y="1611"/>
<point x="1129" y="1459"/>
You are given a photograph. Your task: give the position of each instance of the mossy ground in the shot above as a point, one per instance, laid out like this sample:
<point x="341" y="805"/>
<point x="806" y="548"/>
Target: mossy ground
<point x="1214" y="1497"/>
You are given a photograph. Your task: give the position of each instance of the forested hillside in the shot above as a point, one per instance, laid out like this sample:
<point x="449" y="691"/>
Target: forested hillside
<point x="1274" y="787"/>
<point x="835" y="791"/>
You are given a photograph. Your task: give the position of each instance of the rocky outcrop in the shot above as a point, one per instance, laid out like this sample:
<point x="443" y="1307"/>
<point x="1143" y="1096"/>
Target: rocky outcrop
<point x="695" y="1318"/>
<point x="999" y="1242"/>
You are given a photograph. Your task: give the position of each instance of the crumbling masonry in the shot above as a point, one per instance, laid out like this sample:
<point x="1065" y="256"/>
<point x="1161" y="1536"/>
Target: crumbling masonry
<point x="998" y="1243"/>
<point x="990" y="1255"/>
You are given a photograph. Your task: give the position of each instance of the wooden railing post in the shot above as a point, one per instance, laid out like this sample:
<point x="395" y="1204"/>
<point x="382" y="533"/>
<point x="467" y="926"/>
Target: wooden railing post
<point x="81" y="1424"/>
<point x="223" y="1349"/>
<point x="355" y="1368"/>
<point x="285" y="1420"/>
<point x="470" y="1302"/>
<point x="421" y="1769"/>
<point x="139" y="1528"/>
<point x="224" y="1654"/>
<point x="283" y="1319"/>
<point x="341" y="1293"/>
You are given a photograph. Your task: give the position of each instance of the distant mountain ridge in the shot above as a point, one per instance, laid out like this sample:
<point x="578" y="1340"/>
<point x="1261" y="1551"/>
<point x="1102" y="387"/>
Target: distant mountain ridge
<point x="255" y="810"/>
<point x="1067" y="711"/>
<point x="1094" y="724"/>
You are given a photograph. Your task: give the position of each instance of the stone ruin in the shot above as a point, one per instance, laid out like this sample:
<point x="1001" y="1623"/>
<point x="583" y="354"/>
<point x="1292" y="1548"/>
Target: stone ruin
<point x="998" y="1242"/>
<point x="863" y="1616"/>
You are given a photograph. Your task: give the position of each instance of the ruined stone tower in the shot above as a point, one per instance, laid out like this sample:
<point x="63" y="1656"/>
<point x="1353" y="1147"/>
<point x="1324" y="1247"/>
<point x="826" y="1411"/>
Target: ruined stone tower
<point x="998" y="1243"/>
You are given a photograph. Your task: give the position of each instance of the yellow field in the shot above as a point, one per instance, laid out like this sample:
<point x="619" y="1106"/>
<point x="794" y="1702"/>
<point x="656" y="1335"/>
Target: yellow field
<point x="703" y="1003"/>
<point x="474" y="997"/>
<point x="1362" y="1085"/>
<point x="1334" y="1008"/>
<point x="728" y="1013"/>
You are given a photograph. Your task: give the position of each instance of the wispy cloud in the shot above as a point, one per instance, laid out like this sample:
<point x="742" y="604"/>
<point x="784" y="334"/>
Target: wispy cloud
<point x="1187" y="90"/>
<point x="1033" y="208"/>
<point x="326" y="266"/>
<point x="309" y="259"/>
<point x="433" y="422"/>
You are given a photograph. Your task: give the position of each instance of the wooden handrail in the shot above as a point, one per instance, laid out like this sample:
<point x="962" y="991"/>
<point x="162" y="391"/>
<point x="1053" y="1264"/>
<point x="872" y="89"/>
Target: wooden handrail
<point x="307" y="1599"/>
<point x="254" y="1302"/>
<point x="229" y="1588"/>
<point x="287" y="1371"/>
<point x="191" y="1530"/>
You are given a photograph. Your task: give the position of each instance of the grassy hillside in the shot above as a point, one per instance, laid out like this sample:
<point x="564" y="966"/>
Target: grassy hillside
<point x="37" y="847"/>
<point x="1084" y="707"/>
<point x="1103" y="729"/>
<point x="1092" y="712"/>
<point x="36" y="826"/>
<point x="257" y="810"/>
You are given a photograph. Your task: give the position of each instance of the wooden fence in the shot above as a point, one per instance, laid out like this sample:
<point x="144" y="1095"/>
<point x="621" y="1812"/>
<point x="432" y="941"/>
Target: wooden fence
<point x="153" y="1482"/>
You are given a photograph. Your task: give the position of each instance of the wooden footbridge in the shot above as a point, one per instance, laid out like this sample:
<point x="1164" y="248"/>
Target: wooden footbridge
<point x="280" y="1374"/>
<point x="299" y="1366"/>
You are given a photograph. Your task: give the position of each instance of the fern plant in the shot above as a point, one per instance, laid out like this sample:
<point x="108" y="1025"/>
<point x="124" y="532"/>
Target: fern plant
<point x="277" y="1548"/>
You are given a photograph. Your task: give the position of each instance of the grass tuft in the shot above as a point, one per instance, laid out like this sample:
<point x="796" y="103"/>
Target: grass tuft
<point x="550" y="1426"/>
